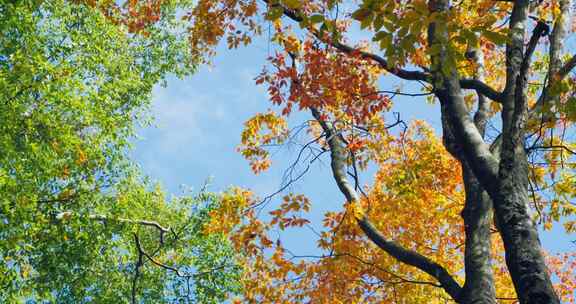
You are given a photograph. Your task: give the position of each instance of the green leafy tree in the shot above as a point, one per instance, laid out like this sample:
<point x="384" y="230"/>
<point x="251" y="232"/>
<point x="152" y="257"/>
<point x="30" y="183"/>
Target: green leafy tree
<point x="77" y="221"/>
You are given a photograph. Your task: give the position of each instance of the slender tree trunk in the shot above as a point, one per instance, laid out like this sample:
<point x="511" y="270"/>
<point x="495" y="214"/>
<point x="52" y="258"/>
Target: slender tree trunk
<point x="479" y="284"/>
<point x="523" y="249"/>
<point x="524" y="256"/>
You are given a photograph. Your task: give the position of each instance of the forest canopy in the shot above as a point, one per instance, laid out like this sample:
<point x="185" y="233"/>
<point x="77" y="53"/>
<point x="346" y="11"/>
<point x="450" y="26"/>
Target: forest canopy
<point x="79" y="223"/>
<point x="452" y="214"/>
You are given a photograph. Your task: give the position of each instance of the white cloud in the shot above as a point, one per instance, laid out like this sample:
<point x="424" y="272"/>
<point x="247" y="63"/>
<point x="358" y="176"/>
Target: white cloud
<point x="177" y="119"/>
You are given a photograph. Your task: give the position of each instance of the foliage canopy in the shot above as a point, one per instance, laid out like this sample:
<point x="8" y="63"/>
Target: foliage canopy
<point x="78" y="223"/>
<point x="454" y="219"/>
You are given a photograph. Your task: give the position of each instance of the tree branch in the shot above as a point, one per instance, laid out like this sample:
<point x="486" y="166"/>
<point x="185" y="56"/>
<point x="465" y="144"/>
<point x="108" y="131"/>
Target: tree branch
<point x="567" y="68"/>
<point x="481" y="88"/>
<point x="556" y="72"/>
<point x="479" y="278"/>
<point x="394" y="93"/>
<point x="409" y="257"/>
<point x="542" y="29"/>
<point x="102" y="218"/>
<point x="360" y="260"/>
<point x="482" y="111"/>
<point x="552" y="80"/>
<point x="383" y="63"/>
<point x="404" y="74"/>
<point x="139" y="264"/>
<point x="557" y="40"/>
<point x="454" y="109"/>
<point x="472" y="84"/>
<point x="142" y="252"/>
<point x="520" y="108"/>
<point x="515" y="48"/>
<point x="412" y="258"/>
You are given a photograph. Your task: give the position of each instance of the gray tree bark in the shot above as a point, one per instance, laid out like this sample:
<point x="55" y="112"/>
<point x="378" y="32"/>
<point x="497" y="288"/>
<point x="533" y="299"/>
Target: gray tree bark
<point x="506" y="181"/>
<point x="479" y="284"/>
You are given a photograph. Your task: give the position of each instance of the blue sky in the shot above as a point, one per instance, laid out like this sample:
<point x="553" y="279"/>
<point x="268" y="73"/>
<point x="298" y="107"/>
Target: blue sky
<point x="197" y="129"/>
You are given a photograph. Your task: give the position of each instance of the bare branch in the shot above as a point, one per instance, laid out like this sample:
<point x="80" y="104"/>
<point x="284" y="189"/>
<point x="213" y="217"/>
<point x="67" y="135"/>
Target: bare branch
<point x="383" y="63"/>
<point x="139" y="264"/>
<point x="412" y="258"/>
<point x="557" y="39"/>
<point x="539" y="31"/>
<point x="553" y="147"/>
<point x="393" y="93"/>
<point x="517" y="110"/>
<point x="176" y="271"/>
<point x="289" y="172"/>
<point x="514" y="48"/>
<point x="142" y="252"/>
<point x="362" y="261"/>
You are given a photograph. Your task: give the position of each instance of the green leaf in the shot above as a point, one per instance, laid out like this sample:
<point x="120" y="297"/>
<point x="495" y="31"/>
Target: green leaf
<point x="274" y="13"/>
<point x="317" y="18"/>
<point x="361" y="14"/>
<point x="380" y="35"/>
<point x="365" y="22"/>
<point x="570" y="108"/>
<point x="378" y="22"/>
<point x="293" y="4"/>
<point x="495" y="37"/>
<point x="75" y="84"/>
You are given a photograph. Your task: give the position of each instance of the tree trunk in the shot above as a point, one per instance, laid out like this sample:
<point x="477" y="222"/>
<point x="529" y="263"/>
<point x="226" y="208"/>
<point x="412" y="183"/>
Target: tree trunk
<point x="479" y="285"/>
<point x="505" y="180"/>
<point x="523" y="249"/>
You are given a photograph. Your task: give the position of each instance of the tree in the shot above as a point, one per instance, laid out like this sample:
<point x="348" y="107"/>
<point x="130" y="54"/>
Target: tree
<point x="78" y="222"/>
<point x="72" y="99"/>
<point x="476" y="59"/>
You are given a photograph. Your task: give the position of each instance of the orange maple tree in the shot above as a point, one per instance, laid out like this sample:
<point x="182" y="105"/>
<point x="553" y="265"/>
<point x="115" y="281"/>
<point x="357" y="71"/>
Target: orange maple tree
<point x="445" y="220"/>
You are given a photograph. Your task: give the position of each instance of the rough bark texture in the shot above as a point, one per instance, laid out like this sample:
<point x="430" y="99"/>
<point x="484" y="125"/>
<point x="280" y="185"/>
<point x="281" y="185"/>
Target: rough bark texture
<point x="523" y="249"/>
<point x="506" y="181"/>
<point x="479" y="286"/>
<point x="556" y="72"/>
